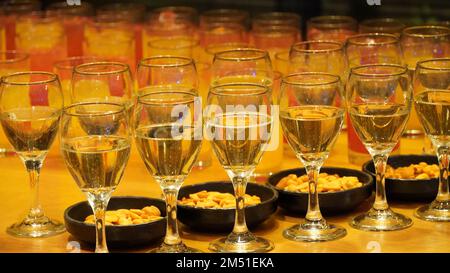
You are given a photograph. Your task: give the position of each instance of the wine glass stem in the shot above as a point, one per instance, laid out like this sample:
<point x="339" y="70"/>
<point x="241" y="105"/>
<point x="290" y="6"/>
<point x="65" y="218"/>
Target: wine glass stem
<point x="34" y="170"/>
<point x="172" y="236"/>
<point x="380" y="162"/>
<point x="99" y="207"/>
<point x="443" y="156"/>
<point x="313" y="214"/>
<point x="240" y="185"/>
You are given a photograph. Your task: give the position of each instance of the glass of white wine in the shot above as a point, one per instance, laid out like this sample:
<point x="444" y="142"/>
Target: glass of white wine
<point x="96" y="154"/>
<point x="30" y="107"/>
<point x="379" y="100"/>
<point x="238" y="123"/>
<point x="312" y="114"/>
<point x="432" y="104"/>
<point x="251" y="65"/>
<point x="168" y="136"/>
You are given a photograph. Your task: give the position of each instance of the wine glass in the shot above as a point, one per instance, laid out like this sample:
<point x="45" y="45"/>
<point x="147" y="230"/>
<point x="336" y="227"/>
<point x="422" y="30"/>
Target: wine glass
<point x="379" y="100"/>
<point x="373" y="48"/>
<point x="95" y="145"/>
<point x="166" y="71"/>
<point x="312" y="114"/>
<point x="30" y="107"/>
<point x="103" y="81"/>
<point x="238" y="123"/>
<point x="168" y="136"/>
<point x="432" y="104"/>
<point x="250" y="65"/>
<point x="319" y="56"/>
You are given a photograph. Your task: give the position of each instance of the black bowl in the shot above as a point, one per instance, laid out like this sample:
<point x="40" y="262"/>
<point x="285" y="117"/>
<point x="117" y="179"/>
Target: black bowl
<point x="330" y="202"/>
<point x="222" y="220"/>
<point x="117" y="236"/>
<point x="408" y="189"/>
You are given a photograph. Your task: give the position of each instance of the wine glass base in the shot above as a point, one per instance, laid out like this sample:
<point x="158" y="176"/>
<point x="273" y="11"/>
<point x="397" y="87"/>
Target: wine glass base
<point x="381" y="220"/>
<point x="242" y="243"/>
<point x="311" y="233"/>
<point x="179" y="248"/>
<point x="437" y="211"/>
<point x="36" y="228"/>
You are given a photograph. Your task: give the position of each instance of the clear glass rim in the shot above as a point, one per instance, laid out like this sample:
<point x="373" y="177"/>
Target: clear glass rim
<point x="409" y="31"/>
<point x="262" y="89"/>
<point x="51" y="77"/>
<point x="337" y="46"/>
<point x="65" y="63"/>
<point x="144" y="99"/>
<point x="326" y="21"/>
<point x="423" y="64"/>
<point x="261" y="54"/>
<point x="121" y="68"/>
<point x="19" y="56"/>
<point x="403" y="69"/>
<point x="353" y="40"/>
<point x="67" y="111"/>
<point x="332" y="79"/>
<point x="191" y="42"/>
<point x="182" y="61"/>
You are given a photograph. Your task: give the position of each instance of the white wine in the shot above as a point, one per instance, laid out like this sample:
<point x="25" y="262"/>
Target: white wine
<point x="238" y="139"/>
<point x="32" y="130"/>
<point x="379" y="126"/>
<point x="433" y="109"/>
<point x="96" y="162"/>
<point x="311" y="130"/>
<point x="168" y="155"/>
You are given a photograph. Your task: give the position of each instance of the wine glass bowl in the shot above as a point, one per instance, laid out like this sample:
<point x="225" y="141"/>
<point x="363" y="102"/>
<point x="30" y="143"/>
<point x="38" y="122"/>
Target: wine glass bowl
<point x="168" y="70"/>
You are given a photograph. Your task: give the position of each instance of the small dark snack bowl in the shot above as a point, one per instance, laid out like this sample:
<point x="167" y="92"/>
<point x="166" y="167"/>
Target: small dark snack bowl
<point x="331" y="203"/>
<point x="117" y="236"/>
<point x="408" y="189"/>
<point x="222" y="220"/>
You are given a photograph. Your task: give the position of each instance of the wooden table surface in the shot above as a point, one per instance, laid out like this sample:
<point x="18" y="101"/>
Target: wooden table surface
<point x="58" y="191"/>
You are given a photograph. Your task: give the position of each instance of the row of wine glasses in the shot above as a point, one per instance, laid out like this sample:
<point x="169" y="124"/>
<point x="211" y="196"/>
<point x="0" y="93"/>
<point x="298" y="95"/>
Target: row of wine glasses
<point x="378" y="101"/>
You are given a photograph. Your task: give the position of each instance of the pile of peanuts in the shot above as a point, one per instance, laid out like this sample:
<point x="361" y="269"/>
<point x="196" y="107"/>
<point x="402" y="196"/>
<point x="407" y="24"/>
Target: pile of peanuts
<point x="325" y="183"/>
<point x="413" y="171"/>
<point x="124" y="217"/>
<point x="216" y="200"/>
